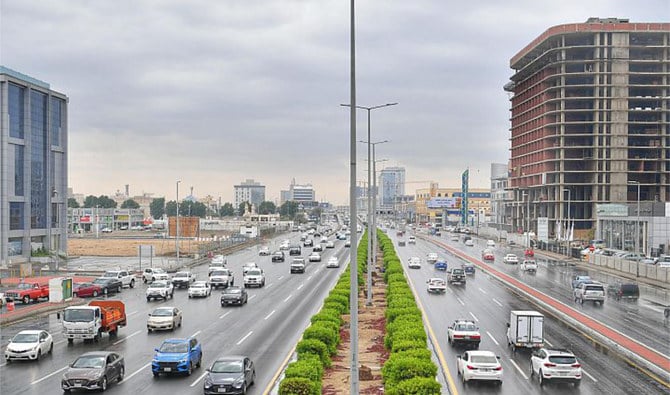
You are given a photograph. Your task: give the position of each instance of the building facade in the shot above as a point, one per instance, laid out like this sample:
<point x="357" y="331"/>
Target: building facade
<point x="249" y="191"/>
<point x="391" y="186"/>
<point x="33" y="167"/>
<point x="501" y="212"/>
<point x="304" y="194"/>
<point x="441" y="206"/>
<point x="590" y="116"/>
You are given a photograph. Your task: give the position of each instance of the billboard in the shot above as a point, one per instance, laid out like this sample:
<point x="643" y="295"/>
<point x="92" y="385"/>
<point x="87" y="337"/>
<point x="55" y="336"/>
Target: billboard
<point x="445" y="202"/>
<point x="543" y="229"/>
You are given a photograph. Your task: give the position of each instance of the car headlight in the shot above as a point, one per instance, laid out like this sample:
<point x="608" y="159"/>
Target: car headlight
<point x="208" y="381"/>
<point x="239" y="382"/>
<point x="183" y="360"/>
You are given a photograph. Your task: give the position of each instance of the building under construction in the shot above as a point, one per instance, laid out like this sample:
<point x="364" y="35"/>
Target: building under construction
<point x="589" y="121"/>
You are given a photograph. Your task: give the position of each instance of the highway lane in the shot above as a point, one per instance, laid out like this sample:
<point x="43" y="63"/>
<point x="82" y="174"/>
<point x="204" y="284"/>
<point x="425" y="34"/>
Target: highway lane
<point x="641" y="320"/>
<point x="487" y="302"/>
<point x="265" y="329"/>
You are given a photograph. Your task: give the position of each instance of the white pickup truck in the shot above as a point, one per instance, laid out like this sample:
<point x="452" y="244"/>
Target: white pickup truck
<point x="127" y="279"/>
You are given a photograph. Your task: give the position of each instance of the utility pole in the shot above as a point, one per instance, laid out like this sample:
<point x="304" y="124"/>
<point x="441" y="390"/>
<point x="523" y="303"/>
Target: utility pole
<point x="353" y="259"/>
<point x="177" y="224"/>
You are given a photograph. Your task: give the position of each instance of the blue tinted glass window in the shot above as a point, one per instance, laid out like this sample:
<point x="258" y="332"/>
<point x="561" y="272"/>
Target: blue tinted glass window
<point x="57" y="107"/>
<point x="38" y="160"/>
<point x="16" y="115"/>
<point x="15" y="246"/>
<point x="18" y="170"/>
<point x="15" y="215"/>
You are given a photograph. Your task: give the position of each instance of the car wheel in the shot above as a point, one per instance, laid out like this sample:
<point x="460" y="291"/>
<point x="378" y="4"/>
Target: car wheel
<point x="244" y="389"/>
<point x="122" y="372"/>
<point x="132" y="283"/>
<point x="540" y="378"/>
<point x="105" y="291"/>
<point x="465" y="382"/>
<point x="253" y="378"/>
<point x="581" y="301"/>
<point x="26" y="299"/>
<point x="95" y="293"/>
<point x="51" y="347"/>
<point x="577" y="382"/>
<point x="156" y="374"/>
<point x="180" y="322"/>
<point x="532" y="372"/>
<point x="145" y="279"/>
<point x="148" y="299"/>
<point x="39" y="355"/>
<point x="118" y="290"/>
<point x="199" y="361"/>
<point x="75" y="294"/>
<point x="190" y="369"/>
<point x="103" y="385"/>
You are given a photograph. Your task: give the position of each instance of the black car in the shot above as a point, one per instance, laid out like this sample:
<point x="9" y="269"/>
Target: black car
<point x="108" y="284"/>
<point x="620" y="291"/>
<point x="234" y="295"/>
<point x="278" y="256"/>
<point x="94" y="371"/>
<point x="230" y="375"/>
<point x="295" y="250"/>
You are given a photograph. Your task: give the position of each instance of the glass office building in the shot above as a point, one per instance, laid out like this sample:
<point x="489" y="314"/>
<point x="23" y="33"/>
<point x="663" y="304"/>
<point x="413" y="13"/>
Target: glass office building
<point x="33" y="168"/>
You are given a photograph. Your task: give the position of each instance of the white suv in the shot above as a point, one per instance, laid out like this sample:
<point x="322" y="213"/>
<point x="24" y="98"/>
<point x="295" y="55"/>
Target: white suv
<point x="152" y="274"/>
<point x="555" y="365"/>
<point x="126" y="278"/>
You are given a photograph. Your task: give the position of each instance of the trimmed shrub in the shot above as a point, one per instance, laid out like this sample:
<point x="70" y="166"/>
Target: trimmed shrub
<point x="416" y="385"/>
<point x="335" y="306"/>
<point x="299" y="386"/>
<point x="316" y="347"/>
<point x="400" y="345"/>
<point x="309" y="367"/>
<point x="343" y="300"/>
<point x="404" y="301"/>
<point x="399" y="367"/>
<point x="328" y="315"/>
<point x="412" y="333"/>
<point x="391" y="314"/>
<point x="323" y="333"/>
<point x="420" y="353"/>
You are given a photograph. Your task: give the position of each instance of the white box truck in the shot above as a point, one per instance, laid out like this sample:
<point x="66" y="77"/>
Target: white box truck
<point x="525" y="329"/>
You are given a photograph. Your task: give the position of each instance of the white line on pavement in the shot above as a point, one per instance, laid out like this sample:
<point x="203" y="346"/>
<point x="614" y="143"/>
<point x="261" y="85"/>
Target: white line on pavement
<point x="309" y="278"/>
<point x="492" y="338"/>
<point x="460" y="301"/>
<point x="473" y="316"/>
<point x="268" y="285"/>
<point x="223" y="315"/>
<point x="131" y="313"/>
<point x="195" y="334"/>
<point x="287" y="298"/>
<point x="244" y="338"/>
<point x="301" y="285"/>
<point x="198" y="379"/>
<point x="57" y="343"/>
<point x="49" y="375"/>
<point x="126" y="338"/>
<point x="280" y="277"/>
<point x="252" y="296"/>
<point x="125" y="379"/>
<point x="269" y="315"/>
<point x="498" y="303"/>
<point x="450" y="290"/>
<point x="549" y="344"/>
<point x="482" y="291"/>
<point x="591" y="377"/>
<point x="519" y="369"/>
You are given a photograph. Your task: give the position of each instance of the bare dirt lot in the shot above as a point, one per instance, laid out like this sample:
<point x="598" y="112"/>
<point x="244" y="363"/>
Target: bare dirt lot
<point x="127" y="247"/>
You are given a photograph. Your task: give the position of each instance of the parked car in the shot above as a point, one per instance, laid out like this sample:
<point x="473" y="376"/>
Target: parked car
<point x="82" y="290"/>
<point x="27" y="292"/>
<point x="94" y="371"/>
<point x="479" y="365"/>
<point x="230" y="375"/>
<point x="555" y="365"/>
<point x="234" y="295"/>
<point x="151" y="274"/>
<point x="628" y="291"/>
<point x="200" y="289"/>
<point x="464" y="332"/>
<point x="177" y="356"/>
<point x="164" y="317"/>
<point x="29" y="345"/>
<point x="160" y="290"/>
<point x="108" y="284"/>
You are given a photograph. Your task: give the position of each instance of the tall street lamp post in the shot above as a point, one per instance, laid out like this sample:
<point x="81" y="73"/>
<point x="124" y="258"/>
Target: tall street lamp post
<point x="523" y="196"/>
<point x="567" y="248"/>
<point x="177" y="225"/>
<point x="637" y="225"/>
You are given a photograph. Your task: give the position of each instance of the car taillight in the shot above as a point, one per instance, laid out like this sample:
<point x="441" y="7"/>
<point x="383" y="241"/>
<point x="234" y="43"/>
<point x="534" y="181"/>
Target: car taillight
<point x="475" y="337"/>
<point x="470" y="367"/>
<point x="458" y="336"/>
<point x="549" y="364"/>
<point x="498" y="368"/>
<point x="576" y="365"/>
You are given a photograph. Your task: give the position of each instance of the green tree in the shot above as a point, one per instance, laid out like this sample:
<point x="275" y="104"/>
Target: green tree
<point x="105" y="202"/>
<point x="130" y="203"/>
<point x="288" y="209"/>
<point x="157" y="208"/>
<point x="171" y="208"/>
<point x="198" y="209"/>
<point x="243" y="207"/>
<point x="72" y="203"/>
<point x="267" y="208"/>
<point x="227" y="210"/>
<point x="90" y="201"/>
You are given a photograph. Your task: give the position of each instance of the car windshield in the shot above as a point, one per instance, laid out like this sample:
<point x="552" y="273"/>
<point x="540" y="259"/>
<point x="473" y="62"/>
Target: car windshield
<point x="483" y="359"/>
<point x="174" y="347"/>
<point x="219" y="273"/>
<point x="110" y="274"/>
<point x="254" y="272"/>
<point x="466" y="327"/>
<point x="78" y="315"/>
<point x="24" y="286"/>
<point x="162" y="313"/>
<point x="227" y="367"/>
<point x="181" y="274"/>
<point x="457" y="271"/>
<point x="563" y="359"/>
<point x="159" y="271"/>
<point x="100" y="281"/>
<point x="25" y="338"/>
<point x="159" y="285"/>
<point x="196" y="285"/>
<point x="233" y="291"/>
<point x="89" y="362"/>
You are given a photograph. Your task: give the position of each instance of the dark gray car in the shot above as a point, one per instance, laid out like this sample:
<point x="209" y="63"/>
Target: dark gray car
<point x="230" y="375"/>
<point x="94" y="371"/>
<point x="108" y="284"/>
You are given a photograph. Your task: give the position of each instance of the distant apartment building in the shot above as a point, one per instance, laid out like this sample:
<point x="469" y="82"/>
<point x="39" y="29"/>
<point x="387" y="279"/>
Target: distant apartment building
<point x="33" y="167"/>
<point x="501" y="213"/>
<point x="391" y="186"/>
<point x="249" y="191"/>
<point x="590" y="116"/>
<point x="442" y="205"/>
<point x="301" y="193"/>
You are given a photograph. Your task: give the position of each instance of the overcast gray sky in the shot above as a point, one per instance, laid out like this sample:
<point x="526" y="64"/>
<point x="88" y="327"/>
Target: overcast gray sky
<point x="212" y="92"/>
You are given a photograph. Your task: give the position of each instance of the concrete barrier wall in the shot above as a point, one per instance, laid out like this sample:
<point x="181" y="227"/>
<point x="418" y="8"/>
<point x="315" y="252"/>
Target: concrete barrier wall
<point x="652" y="272"/>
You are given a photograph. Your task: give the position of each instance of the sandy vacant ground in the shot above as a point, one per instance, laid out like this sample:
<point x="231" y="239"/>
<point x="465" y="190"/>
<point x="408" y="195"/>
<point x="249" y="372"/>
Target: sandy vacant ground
<point x="127" y="247"/>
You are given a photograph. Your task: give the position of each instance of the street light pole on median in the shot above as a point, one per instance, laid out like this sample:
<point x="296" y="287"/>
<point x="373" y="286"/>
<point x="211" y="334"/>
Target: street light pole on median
<point x="637" y="225"/>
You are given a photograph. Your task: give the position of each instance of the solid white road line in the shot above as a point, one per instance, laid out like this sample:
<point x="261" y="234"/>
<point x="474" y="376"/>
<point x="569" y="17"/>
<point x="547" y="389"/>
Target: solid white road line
<point x="125" y="379"/>
<point x="498" y="303"/>
<point x="309" y="278"/>
<point x="126" y="338"/>
<point x="300" y="286"/>
<point x="492" y="338"/>
<point x="195" y="334"/>
<point x="49" y="375"/>
<point x="287" y="298"/>
<point x="473" y="316"/>
<point x="244" y="338"/>
<point x="460" y="301"/>
<point x="451" y="291"/>
<point x="280" y="277"/>
<point x="269" y="315"/>
<point x="131" y="313"/>
<point x="56" y="343"/>
<point x="268" y="285"/>
<point x="198" y="379"/>
<point x="591" y="377"/>
<point x="549" y="344"/>
<point x="519" y="369"/>
<point x="223" y="315"/>
<point x="252" y="296"/>
<point x="482" y="291"/>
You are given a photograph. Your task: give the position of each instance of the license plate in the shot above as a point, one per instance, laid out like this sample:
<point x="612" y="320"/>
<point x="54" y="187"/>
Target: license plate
<point x="221" y="390"/>
<point x="167" y="369"/>
<point x="484" y="370"/>
<point x="466" y="337"/>
<point x="77" y="385"/>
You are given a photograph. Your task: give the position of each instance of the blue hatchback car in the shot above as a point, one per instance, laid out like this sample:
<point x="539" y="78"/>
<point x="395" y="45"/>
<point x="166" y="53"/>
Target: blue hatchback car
<point x="177" y="356"/>
<point x="441" y="265"/>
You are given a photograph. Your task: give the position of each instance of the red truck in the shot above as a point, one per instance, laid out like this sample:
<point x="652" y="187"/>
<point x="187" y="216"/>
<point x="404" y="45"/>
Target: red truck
<point x="90" y="322"/>
<point x="28" y="292"/>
